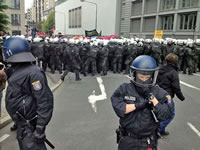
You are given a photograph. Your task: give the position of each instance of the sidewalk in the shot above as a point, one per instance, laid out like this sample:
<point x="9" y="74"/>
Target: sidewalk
<point x="53" y="81"/>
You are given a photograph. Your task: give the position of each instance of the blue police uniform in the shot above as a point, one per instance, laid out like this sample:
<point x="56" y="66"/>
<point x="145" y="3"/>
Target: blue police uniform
<point x="139" y="126"/>
<point x="29" y="100"/>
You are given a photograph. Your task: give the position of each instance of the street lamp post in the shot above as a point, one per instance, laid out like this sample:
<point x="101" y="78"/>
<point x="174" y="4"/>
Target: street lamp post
<point x="64" y="20"/>
<point x="96" y="10"/>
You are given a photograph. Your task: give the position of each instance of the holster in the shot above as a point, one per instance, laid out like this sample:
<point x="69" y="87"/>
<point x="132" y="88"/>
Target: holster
<point x="120" y="132"/>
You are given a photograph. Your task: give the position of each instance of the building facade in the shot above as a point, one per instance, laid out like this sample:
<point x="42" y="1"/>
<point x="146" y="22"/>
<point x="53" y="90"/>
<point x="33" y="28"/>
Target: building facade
<point x="28" y="15"/>
<point x="33" y="12"/>
<point x="73" y="17"/>
<point x="49" y="6"/>
<point x="43" y="8"/>
<point x="16" y="15"/>
<point x="177" y="18"/>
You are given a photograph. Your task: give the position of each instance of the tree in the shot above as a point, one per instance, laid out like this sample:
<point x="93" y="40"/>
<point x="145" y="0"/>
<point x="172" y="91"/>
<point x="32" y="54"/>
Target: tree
<point x="3" y="17"/>
<point x="39" y="25"/>
<point x="49" y="23"/>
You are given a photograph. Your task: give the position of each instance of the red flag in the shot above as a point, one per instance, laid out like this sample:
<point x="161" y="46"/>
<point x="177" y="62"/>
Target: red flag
<point x="52" y="29"/>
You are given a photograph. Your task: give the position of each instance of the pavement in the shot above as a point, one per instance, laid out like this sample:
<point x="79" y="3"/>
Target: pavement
<point x="53" y="81"/>
<point x="81" y="124"/>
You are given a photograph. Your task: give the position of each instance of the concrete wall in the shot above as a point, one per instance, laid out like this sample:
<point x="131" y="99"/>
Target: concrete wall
<point x="107" y="16"/>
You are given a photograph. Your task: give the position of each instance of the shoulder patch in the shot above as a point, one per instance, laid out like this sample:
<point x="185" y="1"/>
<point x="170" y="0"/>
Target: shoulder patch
<point x="169" y="99"/>
<point x="37" y="85"/>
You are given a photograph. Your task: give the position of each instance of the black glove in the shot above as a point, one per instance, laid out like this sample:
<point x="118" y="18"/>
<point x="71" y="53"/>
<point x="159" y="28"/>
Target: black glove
<point x="182" y="98"/>
<point x="141" y="105"/>
<point x="39" y="133"/>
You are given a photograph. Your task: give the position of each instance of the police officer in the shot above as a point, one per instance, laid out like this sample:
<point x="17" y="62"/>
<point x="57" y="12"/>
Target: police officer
<point x="29" y="100"/>
<point x="72" y="61"/>
<point x="132" y="52"/>
<point x="155" y="51"/>
<point x="117" y="57"/>
<point x="197" y="50"/>
<point x="189" y="55"/>
<point x="138" y="110"/>
<point x="91" y="59"/>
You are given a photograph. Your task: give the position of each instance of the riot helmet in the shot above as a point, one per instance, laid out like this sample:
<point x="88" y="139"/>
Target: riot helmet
<point x="146" y="66"/>
<point x="17" y="50"/>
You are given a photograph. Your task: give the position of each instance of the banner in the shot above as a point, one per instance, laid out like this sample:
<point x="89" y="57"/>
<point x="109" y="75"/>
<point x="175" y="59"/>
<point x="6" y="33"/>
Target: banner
<point x="158" y="34"/>
<point x="91" y="33"/>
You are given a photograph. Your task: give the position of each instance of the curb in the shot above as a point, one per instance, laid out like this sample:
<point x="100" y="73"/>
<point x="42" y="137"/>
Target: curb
<point x="7" y="120"/>
<point x="53" y="89"/>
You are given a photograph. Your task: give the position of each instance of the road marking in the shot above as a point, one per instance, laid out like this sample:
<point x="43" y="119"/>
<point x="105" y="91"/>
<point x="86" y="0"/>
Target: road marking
<point x="92" y="99"/>
<point x="193" y="128"/>
<point x="196" y="74"/>
<point x="188" y="85"/>
<point x="4" y="137"/>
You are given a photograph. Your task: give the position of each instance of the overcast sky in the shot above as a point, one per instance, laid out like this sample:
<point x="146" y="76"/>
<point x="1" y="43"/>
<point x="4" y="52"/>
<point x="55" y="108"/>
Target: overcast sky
<point x="28" y="4"/>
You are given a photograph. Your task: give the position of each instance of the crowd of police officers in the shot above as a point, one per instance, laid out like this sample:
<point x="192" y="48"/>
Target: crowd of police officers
<point x="99" y="56"/>
<point x="93" y="56"/>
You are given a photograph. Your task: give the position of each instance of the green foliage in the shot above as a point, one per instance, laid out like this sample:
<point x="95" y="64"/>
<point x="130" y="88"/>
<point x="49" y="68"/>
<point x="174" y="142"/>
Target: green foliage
<point x="39" y="25"/>
<point x="3" y="17"/>
<point x="49" y="23"/>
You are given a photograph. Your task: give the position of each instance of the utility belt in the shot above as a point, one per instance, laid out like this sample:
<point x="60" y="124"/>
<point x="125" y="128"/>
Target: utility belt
<point x="121" y="132"/>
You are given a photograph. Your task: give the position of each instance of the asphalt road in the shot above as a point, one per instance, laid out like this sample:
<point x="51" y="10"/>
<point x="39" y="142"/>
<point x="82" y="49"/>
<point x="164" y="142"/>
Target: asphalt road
<point x="76" y="126"/>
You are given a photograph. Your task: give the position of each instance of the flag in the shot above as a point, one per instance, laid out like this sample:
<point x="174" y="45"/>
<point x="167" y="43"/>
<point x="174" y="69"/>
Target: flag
<point x="52" y="29"/>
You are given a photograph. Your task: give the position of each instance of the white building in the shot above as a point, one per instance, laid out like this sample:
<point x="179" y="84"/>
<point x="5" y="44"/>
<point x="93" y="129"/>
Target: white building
<point x="73" y="17"/>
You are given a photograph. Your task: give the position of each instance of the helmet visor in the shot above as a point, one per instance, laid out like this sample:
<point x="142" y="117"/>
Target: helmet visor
<point x="144" y="78"/>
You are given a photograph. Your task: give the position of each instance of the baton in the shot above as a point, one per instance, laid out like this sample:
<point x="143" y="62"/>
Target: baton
<point x="49" y="143"/>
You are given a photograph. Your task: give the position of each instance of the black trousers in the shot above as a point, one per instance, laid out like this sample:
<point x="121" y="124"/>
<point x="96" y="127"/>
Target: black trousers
<point x="76" y="71"/>
<point x="26" y="139"/>
<point x="130" y="143"/>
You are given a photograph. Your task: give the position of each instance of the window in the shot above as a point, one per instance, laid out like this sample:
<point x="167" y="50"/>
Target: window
<point x="79" y="17"/>
<point x="70" y="18"/>
<point x="75" y="18"/>
<point x="188" y="21"/>
<point x="15" y="4"/>
<point x="16" y="19"/>
<point x="167" y="22"/>
<point x="188" y="3"/>
<point x="168" y="4"/>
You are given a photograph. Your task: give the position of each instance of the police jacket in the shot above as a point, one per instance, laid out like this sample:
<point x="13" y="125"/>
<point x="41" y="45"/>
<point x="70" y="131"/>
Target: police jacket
<point x="29" y="94"/>
<point x="140" y="122"/>
<point x="168" y="79"/>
